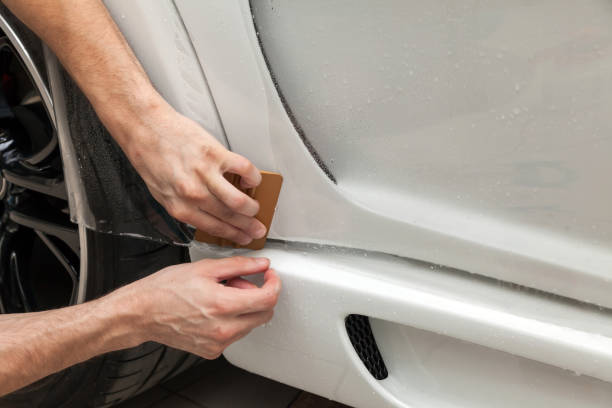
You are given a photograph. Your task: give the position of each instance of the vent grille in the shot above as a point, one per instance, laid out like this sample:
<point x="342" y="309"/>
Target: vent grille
<point x="360" y="334"/>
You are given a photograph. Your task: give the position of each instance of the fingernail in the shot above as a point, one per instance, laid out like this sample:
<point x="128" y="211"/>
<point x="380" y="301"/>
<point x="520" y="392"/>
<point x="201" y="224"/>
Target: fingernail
<point x="245" y="241"/>
<point x="245" y="184"/>
<point x="262" y="261"/>
<point x="260" y="232"/>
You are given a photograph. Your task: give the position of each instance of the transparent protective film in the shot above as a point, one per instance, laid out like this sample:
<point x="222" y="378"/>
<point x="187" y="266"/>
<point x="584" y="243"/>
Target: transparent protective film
<point x="105" y="192"/>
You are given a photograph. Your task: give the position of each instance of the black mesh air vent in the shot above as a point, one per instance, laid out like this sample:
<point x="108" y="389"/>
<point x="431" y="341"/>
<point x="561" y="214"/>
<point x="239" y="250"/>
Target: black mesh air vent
<point x="360" y="334"/>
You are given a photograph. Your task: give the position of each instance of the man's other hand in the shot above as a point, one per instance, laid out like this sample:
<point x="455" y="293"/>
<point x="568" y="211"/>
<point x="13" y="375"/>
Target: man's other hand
<point x="201" y="307"/>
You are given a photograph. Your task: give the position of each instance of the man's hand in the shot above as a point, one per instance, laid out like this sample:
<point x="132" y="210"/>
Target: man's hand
<point x="180" y="162"/>
<point x="185" y="306"/>
<point x="183" y="166"/>
<point x="188" y="307"/>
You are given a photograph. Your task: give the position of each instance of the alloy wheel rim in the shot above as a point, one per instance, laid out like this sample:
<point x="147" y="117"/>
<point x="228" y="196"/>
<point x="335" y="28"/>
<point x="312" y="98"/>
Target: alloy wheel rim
<point x="39" y="245"/>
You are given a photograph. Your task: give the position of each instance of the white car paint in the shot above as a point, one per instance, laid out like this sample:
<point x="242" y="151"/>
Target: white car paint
<point x="350" y="214"/>
<point x="449" y="338"/>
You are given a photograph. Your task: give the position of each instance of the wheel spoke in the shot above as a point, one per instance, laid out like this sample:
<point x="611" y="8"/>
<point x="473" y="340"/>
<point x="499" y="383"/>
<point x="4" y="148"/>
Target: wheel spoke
<point x="14" y="268"/>
<point x="36" y="129"/>
<point x="44" y="153"/>
<point x="32" y="98"/>
<point x="54" y="187"/>
<point x="61" y="257"/>
<point x="67" y="233"/>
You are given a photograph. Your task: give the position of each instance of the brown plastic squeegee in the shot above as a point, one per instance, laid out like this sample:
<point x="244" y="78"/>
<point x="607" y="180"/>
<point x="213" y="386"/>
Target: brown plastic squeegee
<point x="266" y="193"/>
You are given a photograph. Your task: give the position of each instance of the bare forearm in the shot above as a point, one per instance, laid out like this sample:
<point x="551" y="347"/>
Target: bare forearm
<point x="184" y="306"/>
<point x="88" y="43"/>
<point x="34" y="345"/>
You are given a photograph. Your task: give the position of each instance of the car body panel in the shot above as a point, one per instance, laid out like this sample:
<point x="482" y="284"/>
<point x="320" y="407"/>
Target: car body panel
<point x="450" y="336"/>
<point x="473" y="108"/>
<point x="351" y="214"/>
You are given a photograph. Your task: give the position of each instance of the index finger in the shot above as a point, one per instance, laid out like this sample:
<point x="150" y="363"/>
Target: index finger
<point x="236" y="266"/>
<point x="237" y="164"/>
<point x="255" y="299"/>
<point x="233" y="198"/>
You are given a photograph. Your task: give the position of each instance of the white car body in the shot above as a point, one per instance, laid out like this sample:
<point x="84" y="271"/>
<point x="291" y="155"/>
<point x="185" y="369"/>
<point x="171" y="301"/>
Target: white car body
<point x="468" y="209"/>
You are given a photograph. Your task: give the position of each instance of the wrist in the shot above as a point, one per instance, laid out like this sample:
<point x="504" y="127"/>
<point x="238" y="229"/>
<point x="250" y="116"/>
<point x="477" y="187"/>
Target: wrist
<point x="123" y="316"/>
<point x="130" y="116"/>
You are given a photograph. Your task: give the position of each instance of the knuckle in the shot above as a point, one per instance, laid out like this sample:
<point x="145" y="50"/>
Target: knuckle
<point x="227" y="213"/>
<point x="272" y="300"/>
<point x="222" y="230"/>
<point x="230" y="335"/>
<point x="267" y="303"/>
<point x="214" y="350"/>
<point x="194" y="193"/>
<point x="243" y="165"/>
<point x="221" y="334"/>
<point x="233" y="234"/>
<point x="216" y="228"/>
<point x="178" y="212"/>
<point x="209" y="152"/>
<point x="188" y="190"/>
<point x="212" y="355"/>
<point x="181" y="187"/>
<point x="215" y="334"/>
<point x="221" y="307"/>
<point x="237" y="202"/>
<point x="218" y="310"/>
<point x="206" y="200"/>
